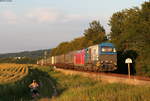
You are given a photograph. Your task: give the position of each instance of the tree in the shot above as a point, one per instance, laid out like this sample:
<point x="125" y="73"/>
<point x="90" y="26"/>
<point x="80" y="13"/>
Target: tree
<point x="95" y="33"/>
<point x="117" y="27"/>
<point x="131" y="28"/>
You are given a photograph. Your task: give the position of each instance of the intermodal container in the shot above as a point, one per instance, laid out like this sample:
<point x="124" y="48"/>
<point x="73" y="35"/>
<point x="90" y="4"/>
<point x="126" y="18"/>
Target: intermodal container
<point x="92" y="54"/>
<point x="69" y="57"/>
<point x="79" y="57"/>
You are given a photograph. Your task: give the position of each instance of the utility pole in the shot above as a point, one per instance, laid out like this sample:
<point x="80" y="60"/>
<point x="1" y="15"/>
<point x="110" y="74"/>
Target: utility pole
<point x="45" y="57"/>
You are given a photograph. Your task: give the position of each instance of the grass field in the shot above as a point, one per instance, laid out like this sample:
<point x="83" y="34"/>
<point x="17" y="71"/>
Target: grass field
<point x="69" y="87"/>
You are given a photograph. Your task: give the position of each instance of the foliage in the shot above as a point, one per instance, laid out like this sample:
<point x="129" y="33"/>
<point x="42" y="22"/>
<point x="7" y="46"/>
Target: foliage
<point x="130" y="30"/>
<point x="95" y="33"/>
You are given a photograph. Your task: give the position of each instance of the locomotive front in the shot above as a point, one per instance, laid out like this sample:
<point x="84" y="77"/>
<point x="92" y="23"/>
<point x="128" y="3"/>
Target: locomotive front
<point x="107" y="57"/>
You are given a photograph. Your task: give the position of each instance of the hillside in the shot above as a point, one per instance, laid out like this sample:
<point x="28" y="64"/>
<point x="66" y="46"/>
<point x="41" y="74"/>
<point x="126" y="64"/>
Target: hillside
<point x="26" y="57"/>
<point x="30" y="54"/>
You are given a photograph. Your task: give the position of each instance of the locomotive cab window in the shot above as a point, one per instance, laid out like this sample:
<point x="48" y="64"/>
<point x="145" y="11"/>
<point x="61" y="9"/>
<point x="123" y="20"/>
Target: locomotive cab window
<point x="94" y="52"/>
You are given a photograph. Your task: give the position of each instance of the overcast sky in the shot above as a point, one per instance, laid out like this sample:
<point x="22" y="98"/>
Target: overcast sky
<point x="40" y="24"/>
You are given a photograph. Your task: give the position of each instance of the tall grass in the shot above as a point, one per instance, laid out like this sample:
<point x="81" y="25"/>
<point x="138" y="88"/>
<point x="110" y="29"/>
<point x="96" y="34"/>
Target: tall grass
<point x="78" y="88"/>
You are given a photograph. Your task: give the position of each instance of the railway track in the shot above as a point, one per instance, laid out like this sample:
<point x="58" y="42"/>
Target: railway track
<point x="110" y="77"/>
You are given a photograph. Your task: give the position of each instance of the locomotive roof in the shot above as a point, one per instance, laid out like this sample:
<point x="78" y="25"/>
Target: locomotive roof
<point x="107" y="44"/>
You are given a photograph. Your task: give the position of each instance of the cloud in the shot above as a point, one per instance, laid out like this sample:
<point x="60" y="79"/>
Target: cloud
<point x="48" y="16"/>
<point x="9" y="17"/>
<point x="43" y="15"/>
<point x="39" y="15"/>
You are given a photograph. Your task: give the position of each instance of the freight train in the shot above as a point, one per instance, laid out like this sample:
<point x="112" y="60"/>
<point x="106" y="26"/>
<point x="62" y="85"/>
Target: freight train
<point x="100" y="57"/>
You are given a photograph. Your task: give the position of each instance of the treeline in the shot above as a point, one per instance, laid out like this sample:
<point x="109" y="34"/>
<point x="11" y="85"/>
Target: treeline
<point x="130" y="31"/>
<point x="24" y="60"/>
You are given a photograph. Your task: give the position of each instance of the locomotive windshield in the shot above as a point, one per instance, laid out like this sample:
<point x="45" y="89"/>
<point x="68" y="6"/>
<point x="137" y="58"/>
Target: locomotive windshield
<point x="108" y="49"/>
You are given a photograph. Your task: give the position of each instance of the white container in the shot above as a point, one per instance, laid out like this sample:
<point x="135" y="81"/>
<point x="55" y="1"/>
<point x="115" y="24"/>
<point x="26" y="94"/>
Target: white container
<point x="94" y="52"/>
<point x="53" y="60"/>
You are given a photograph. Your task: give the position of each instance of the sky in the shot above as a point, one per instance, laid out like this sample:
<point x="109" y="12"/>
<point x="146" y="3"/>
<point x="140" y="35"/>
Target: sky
<point x="27" y="25"/>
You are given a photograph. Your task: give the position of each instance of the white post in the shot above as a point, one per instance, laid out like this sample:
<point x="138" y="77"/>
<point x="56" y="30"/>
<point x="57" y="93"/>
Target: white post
<point x="129" y="70"/>
<point x="128" y="61"/>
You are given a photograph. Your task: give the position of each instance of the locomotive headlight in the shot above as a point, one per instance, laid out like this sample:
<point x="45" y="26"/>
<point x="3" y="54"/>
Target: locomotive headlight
<point x="114" y="50"/>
